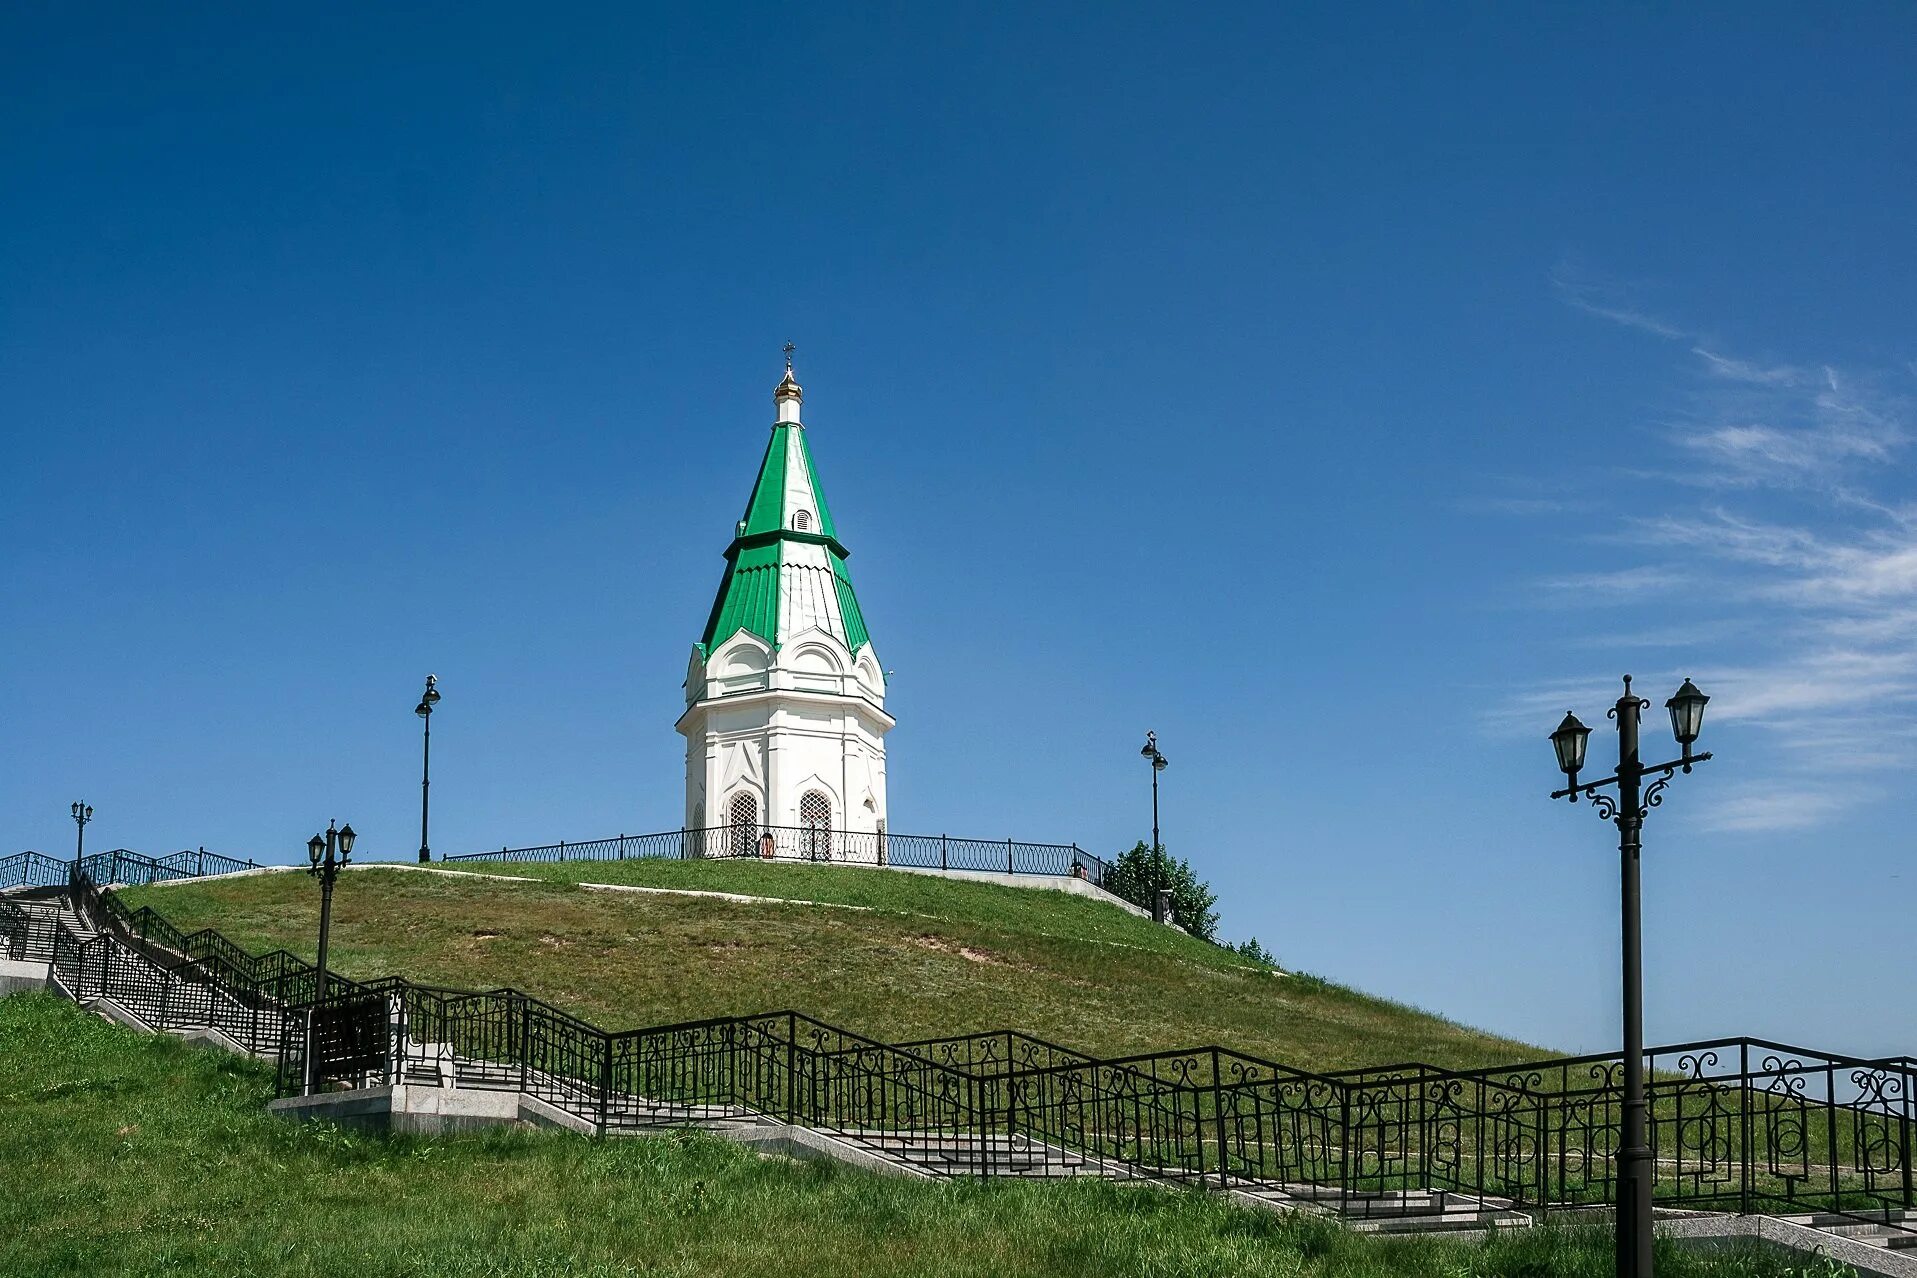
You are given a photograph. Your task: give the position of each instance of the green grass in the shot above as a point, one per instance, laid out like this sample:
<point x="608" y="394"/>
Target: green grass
<point x="926" y="958"/>
<point x="126" y="1155"/>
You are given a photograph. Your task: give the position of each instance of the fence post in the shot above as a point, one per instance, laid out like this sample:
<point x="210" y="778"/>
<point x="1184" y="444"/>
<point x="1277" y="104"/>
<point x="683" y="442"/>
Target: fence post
<point x="1008" y="858"/>
<point x="1744" y="1105"/>
<point x="1344" y="1148"/>
<point x="1218" y="1115"/>
<point x="605" y="1078"/>
<point x="1910" y="1112"/>
<point x="622" y="847"/>
<point x="945" y="859"/>
<point x="791" y="1067"/>
<point x="1830" y="1128"/>
<point x="1011" y="1118"/>
<point x="525" y="1042"/>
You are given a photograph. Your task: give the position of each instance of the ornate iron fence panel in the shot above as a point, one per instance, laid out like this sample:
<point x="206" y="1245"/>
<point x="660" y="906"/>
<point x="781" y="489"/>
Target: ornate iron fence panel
<point x="1738" y="1124"/>
<point x="33" y="870"/>
<point x="817" y="843"/>
<point x="995" y="1052"/>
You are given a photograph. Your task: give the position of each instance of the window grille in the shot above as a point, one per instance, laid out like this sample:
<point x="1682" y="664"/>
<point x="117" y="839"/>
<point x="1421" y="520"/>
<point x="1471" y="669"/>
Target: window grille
<point x="745" y="823"/>
<point x="802" y="520"/>
<point x="815" y="814"/>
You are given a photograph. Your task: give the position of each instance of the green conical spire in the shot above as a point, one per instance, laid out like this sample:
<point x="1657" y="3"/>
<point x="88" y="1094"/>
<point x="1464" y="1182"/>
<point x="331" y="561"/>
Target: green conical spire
<point x="785" y="569"/>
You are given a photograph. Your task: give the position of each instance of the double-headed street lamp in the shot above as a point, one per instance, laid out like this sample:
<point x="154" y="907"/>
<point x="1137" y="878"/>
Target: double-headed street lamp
<point x="1159" y="763"/>
<point x="1633" y="803"/>
<point x="326" y="854"/>
<point x="424" y="710"/>
<point x="81" y="815"/>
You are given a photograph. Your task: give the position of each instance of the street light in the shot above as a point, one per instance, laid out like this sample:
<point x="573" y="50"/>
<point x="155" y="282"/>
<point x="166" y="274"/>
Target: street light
<point x="81" y="815"/>
<point x="424" y="710"/>
<point x="325" y="854"/>
<point x="1159" y="763"/>
<point x="1633" y="803"/>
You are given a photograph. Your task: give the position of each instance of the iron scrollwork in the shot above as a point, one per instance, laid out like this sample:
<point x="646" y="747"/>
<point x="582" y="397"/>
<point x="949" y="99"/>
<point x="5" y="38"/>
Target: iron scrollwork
<point x="1654" y="794"/>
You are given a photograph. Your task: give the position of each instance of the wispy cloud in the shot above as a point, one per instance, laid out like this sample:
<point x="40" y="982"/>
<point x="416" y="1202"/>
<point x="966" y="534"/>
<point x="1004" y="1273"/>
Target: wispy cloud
<point x="1607" y="300"/>
<point x="1647" y="579"/>
<point x="1753" y="810"/>
<point x="1742" y="370"/>
<point x="1801" y="573"/>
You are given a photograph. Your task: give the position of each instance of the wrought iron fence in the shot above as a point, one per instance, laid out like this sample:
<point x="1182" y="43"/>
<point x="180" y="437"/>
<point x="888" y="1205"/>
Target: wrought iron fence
<point x="134" y="870"/>
<point x="33" y="870"/>
<point x="1739" y="1124"/>
<point x="168" y="979"/>
<point x="27" y="919"/>
<point x="817" y="843"/>
<point x="15" y="927"/>
<point x="1736" y="1124"/>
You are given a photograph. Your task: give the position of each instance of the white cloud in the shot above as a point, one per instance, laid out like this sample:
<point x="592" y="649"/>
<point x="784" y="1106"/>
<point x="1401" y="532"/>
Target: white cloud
<point x="1646" y="579"/>
<point x="1747" y="810"/>
<point x="1739" y="370"/>
<point x="1801" y="578"/>
<point x="1607" y="300"/>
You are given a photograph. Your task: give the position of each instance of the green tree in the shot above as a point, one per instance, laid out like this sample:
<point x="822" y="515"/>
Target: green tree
<point x="1138" y="873"/>
<point x="1255" y="952"/>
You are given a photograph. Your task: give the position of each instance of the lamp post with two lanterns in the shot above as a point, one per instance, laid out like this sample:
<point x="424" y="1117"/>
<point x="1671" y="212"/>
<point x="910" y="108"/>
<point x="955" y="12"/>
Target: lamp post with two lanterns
<point x="1627" y="810"/>
<point x="81" y="815"/>
<point x="427" y="700"/>
<point x="326" y="855"/>
<point x="1159" y="763"/>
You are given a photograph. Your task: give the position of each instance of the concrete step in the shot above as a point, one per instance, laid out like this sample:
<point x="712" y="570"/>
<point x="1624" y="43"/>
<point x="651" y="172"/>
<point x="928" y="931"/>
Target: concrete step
<point x="1455" y="1223"/>
<point x="1892" y="1228"/>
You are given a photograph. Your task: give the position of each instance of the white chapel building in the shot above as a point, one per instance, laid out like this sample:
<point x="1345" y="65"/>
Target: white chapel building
<point x="785" y="716"/>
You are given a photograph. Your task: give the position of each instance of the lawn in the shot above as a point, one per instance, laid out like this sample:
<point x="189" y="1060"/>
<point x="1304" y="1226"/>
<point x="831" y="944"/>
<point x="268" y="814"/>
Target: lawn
<point x="127" y="1155"/>
<point x="922" y="958"/>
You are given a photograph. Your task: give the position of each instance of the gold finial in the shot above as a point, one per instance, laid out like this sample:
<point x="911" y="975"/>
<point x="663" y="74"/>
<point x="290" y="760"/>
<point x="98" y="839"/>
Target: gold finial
<point x="788" y="388"/>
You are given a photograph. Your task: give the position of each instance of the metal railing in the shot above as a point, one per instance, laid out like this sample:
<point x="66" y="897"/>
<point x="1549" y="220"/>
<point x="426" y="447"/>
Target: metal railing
<point x="817" y="843"/>
<point x="1738" y="1124"/>
<point x="1742" y="1124"/>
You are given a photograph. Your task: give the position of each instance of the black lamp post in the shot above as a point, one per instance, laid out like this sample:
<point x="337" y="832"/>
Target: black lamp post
<point x="81" y="815"/>
<point x="326" y="854"/>
<point x="424" y="710"/>
<point x="1159" y="763"/>
<point x="1633" y="803"/>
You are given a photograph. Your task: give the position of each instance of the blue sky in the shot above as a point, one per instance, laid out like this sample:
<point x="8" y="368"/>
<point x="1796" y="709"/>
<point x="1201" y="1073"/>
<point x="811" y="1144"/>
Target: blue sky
<point x="1342" y="393"/>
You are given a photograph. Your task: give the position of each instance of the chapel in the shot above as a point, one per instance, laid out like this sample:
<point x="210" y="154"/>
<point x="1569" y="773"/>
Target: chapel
<point x="785" y="717"/>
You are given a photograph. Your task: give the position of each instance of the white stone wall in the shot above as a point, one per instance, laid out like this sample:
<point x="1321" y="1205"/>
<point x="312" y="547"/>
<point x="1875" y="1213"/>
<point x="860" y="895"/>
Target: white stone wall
<point x="776" y="725"/>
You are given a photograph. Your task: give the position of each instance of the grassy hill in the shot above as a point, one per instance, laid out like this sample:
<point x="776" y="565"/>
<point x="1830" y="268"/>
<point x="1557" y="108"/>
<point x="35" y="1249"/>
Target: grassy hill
<point x="894" y="956"/>
<point x="124" y="1155"/>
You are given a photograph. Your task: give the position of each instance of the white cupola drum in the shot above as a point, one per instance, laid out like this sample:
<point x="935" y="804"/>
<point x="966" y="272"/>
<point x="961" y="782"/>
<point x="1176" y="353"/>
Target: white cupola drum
<point x="785" y="716"/>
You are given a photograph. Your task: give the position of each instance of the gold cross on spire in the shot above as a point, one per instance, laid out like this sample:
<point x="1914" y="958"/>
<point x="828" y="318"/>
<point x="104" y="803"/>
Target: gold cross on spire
<point x="789" y="348"/>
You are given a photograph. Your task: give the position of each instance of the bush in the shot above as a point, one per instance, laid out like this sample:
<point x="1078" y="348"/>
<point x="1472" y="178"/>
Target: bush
<point x="1255" y="952"/>
<point x="1139" y="872"/>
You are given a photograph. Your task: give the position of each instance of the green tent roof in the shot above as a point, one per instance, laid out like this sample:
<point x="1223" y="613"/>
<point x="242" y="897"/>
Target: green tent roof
<point x="765" y="549"/>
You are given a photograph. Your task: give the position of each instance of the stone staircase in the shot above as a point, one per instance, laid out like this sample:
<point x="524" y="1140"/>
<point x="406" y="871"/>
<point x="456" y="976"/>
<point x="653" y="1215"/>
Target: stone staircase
<point x="1892" y="1228"/>
<point x="161" y="992"/>
<point x="43" y="909"/>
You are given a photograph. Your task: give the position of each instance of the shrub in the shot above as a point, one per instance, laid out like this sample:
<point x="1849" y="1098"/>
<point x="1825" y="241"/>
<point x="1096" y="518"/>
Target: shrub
<point x="1139" y="872"/>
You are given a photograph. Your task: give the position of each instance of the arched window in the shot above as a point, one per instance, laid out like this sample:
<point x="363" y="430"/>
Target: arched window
<point x="744" y="811"/>
<point x="815" y="814"/>
<point x="802" y="520"/>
